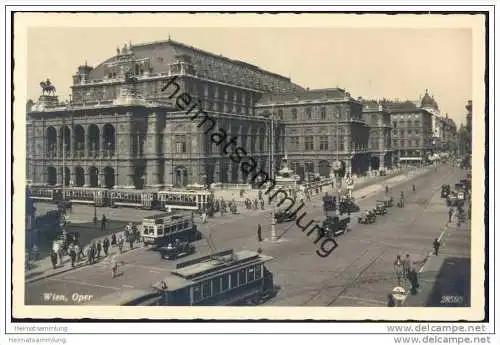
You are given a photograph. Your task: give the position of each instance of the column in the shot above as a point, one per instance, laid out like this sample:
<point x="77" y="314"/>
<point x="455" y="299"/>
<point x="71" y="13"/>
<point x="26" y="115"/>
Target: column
<point x="348" y="165"/>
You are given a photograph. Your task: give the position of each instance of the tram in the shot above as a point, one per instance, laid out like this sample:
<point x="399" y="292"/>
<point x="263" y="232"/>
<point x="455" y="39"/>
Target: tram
<point x="226" y="278"/>
<point x="185" y="200"/>
<point x="46" y="194"/>
<point x="87" y="196"/>
<point x="162" y="229"/>
<point x="145" y="199"/>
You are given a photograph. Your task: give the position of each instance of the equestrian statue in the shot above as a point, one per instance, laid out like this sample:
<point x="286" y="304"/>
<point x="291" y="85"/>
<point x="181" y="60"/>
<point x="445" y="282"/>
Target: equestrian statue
<point x="47" y="87"/>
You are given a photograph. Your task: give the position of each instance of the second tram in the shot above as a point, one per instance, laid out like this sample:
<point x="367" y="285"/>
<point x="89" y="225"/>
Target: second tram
<point x="162" y="229"/>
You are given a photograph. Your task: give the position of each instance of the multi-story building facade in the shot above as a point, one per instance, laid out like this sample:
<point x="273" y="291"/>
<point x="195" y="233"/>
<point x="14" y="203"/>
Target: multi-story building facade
<point x="379" y="121"/>
<point x="321" y="127"/>
<point x="411" y="135"/>
<point x="121" y="128"/>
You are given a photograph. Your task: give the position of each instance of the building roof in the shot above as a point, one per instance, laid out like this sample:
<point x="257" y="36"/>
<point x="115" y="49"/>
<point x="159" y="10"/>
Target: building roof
<point x="208" y="65"/>
<point x="305" y="95"/>
<point x="395" y="106"/>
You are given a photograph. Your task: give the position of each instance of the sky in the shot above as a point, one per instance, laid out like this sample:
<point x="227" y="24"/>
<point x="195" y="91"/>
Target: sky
<point x="393" y="63"/>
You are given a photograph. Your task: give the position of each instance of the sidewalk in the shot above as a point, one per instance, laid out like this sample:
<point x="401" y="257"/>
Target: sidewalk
<point x="445" y="279"/>
<point x="42" y="269"/>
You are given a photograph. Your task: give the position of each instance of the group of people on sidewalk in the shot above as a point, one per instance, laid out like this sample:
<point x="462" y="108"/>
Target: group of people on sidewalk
<point x="92" y="252"/>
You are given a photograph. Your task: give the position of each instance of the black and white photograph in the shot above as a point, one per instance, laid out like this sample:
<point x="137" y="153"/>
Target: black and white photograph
<point x="333" y="170"/>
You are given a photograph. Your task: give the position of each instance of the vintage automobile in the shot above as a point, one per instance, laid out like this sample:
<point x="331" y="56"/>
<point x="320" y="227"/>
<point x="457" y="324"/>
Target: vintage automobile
<point x="283" y="216"/>
<point x="177" y="249"/>
<point x="380" y="209"/>
<point x="348" y="206"/>
<point x="336" y="225"/>
<point x="368" y="217"/>
<point x="387" y="201"/>
<point x="452" y="199"/>
<point x="445" y="190"/>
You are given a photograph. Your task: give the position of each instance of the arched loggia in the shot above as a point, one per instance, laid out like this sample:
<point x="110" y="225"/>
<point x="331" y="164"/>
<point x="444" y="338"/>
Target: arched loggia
<point x="93" y="140"/>
<point x="109" y="136"/>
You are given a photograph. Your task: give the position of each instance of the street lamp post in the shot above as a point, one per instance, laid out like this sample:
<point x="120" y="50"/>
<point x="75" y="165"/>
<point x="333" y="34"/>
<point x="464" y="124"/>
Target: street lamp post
<point x="398" y="291"/>
<point x="274" y="236"/>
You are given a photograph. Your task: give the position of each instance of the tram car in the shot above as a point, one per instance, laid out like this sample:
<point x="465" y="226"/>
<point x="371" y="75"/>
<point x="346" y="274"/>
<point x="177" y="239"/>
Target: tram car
<point x="185" y="200"/>
<point x="335" y="225"/>
<point x="46" y="194"/>
<point x="380" y="209"/>
<point x="226" y="278"/>
<point x="87" y="196"/>
<point x="368" y="217"/>
<point x="283" y="216"/>
<point x="175" y="250"/>
<point x="134" y="198"/>
<point x="161" y="229"/>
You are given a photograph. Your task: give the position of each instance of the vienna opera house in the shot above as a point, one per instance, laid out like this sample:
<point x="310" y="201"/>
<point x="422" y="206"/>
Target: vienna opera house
<point x="120" y="129"/>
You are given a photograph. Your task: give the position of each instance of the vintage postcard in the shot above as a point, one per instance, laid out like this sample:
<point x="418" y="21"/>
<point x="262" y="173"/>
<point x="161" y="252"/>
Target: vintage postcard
<point x="249" y="166"/>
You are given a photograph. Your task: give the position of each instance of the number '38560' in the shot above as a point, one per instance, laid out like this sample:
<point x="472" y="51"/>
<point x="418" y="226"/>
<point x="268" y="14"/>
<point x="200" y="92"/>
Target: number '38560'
<point x="451" y="299"/>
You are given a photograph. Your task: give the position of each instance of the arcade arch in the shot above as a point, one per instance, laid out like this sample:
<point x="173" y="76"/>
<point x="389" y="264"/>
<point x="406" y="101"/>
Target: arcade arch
<point x="93" y="177"/>
<point x="79" y="176"/>
<point x="51" y="176"/>
<point x="109" y="177"/>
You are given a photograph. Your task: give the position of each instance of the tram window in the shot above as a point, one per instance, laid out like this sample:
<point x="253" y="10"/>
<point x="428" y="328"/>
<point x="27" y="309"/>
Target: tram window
<point x="258" y="272"/>
<point x="160" y="230"/>
<point x="186" y="224"/>
<point x="207" y="288"/>
<point x="225" y="282"/>
<point x="243" y="276"/>
<point x="234" y="280"/>
<point x="251" y="274"/>
<point x="216" y="285"/>
<point x="167" y="229"/>
<point x="196" y="292"/>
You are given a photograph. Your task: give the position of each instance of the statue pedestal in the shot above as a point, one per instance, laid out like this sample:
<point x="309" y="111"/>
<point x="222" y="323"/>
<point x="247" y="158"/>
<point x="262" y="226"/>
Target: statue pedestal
<point x="46" y="101"/>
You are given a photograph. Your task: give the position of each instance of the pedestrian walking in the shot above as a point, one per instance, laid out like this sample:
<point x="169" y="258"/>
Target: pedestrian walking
<point x="99" y="247"/>
<point x="261" y="204"/>
<point x="78" y="252"/>
<point x="53" y="259"/>
<point x="259" y="233"/>
<point x="105" y="246"/>
<point x="390" y="300"/>
<point x="103" y="223"/>
<point x="88" y="254"/>
<point x="450" y="214"/>
<point x="407" y="266"/>
<point x="72" y="255"/>
<point x="436" y="244"/>
<point x="113" y="239"/>
<point x="120" y="244"/>
<point x="131" y="242"/>
<point x="60" y="253"/>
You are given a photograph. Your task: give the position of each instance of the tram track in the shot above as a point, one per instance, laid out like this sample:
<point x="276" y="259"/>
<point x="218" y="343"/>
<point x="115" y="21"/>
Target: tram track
<point x="379" y="253"/>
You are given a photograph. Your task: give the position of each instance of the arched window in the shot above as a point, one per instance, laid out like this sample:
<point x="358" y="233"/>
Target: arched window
<point x="309" y="113"/>
<point x="323" y="113"/>
<point x="294" y="114"/>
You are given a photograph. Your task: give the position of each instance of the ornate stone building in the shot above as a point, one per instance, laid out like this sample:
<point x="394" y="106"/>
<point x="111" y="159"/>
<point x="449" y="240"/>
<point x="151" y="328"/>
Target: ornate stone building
<point x="379" y="121"/>
<point x="412" y="137"/>
<point x="321" y="126"/>
<point x="122" y="129"/>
